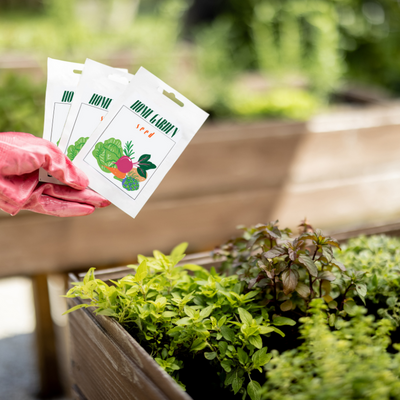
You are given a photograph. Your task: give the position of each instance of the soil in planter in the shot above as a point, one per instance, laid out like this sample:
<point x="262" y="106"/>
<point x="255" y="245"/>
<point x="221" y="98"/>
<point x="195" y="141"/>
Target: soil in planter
<point x="203" y="382"/>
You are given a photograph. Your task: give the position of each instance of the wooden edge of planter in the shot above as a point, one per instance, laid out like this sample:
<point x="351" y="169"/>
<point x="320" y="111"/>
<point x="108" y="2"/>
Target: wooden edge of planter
<point x="131" y="349"/>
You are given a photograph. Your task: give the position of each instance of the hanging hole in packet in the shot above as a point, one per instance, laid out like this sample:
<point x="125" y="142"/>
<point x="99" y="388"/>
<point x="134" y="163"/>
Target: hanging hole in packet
<point x="171" y="96"/>
<point x="77" y="71"/>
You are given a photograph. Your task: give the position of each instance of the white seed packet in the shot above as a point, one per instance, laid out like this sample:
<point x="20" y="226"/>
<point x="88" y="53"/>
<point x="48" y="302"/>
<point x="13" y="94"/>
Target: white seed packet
<point x="62" y="81"/>
<point x="139" y="140"/>
<point x="99" y="86"/>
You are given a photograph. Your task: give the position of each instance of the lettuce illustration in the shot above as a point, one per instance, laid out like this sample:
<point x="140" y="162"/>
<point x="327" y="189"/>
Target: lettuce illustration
<point x="74" y="149"/>
<point x="108" y="153"/>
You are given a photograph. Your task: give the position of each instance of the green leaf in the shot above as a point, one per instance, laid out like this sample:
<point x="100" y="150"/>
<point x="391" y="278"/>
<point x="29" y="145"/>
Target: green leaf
<point x="222" y="346"/>
<point x="109" y="312"/>
<point x="144" y="157"/>
<point x="349" y="307"/>
<point x="279" y="321"/>
<point x="237" y="383"/>
<point x="107" y="153"/>
<point x="260" y="357"/>
<point x="361" y="289"/>
<point x="290" y="279"/>
<point x="243" y="357"/>
<point x="75" y="148"/>
<point x="254" y="390"/>
<point x="210" y="356"/>
<point x="205" y="312"/>
<point x="179" y="250"/>
<point x="189" y="311"/>
<point x="169" y="314"/>
<point x="307" y="262"/>
<point x="245" y="316"/>
<point x="226" y="365"/>
<point x="303" y="290"/>
<point x="333" y="304"/>
<point x="183" y="321"/>
<point x="76" y="308"/>
<point x="286" y="305"/>
<point x="256" y="341"/>
<point x="141" y="272"/>
<point x="198" y="344"/>
<point x="228" y="333"/>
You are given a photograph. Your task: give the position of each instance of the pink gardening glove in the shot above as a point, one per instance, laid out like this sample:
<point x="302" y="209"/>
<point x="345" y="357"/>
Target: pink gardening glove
<point x="21" y="156"/>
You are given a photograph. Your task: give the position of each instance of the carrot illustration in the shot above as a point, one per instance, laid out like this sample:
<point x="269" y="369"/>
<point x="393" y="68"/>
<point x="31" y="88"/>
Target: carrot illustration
<point x="116" y="172"/>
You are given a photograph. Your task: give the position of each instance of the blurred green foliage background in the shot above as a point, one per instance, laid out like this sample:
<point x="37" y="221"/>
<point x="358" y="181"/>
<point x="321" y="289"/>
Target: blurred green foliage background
<point x="236" y="59"/>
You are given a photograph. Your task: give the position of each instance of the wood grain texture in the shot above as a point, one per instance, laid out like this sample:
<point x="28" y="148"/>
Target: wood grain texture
<point x="337" y="170"/>
<point x="107" y="363"/>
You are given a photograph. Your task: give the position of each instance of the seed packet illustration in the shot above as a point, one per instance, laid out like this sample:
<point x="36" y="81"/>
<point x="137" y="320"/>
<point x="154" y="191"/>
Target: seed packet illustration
<point x="62" y="81"/>
<point x="138" y="142"/>
<point x="99" y="86"/>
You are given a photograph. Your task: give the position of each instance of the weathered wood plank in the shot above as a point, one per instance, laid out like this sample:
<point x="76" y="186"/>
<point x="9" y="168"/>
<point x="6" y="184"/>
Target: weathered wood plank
<point x="47" y="356"/>
<point x="107" y="363"/>
<point x="339" y="170"/>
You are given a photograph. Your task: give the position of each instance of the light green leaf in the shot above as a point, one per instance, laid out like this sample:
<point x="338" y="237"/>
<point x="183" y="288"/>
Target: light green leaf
<point x="210" y="356"/>
<point x="189" y="311"/>
<point x="141" y="272"/>
<point x="169" y="314"/>
<point x="256" y="341"/>
<point x="361" y="289"/>
<point x="76" y="308"/>
<point x="254" y="390"/>
<point x="183" y="321"/>
<point x="260" y="357"/>
<point x="179" y="250"/>
<point x="109" y="312"/>
<point x="193" y="267"/>
<point x="279" y="321"/>
<point x="245" y="316"/>
<point x="205" y="312"/>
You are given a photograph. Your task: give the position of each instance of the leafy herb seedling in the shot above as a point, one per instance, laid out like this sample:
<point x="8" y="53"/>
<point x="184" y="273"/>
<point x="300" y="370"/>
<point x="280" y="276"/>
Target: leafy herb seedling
<point x="174" y="314"/>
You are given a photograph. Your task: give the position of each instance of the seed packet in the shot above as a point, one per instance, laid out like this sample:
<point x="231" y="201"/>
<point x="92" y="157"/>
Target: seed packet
<point x="62" y="81"/>
<point x="98" y="88"/>
<point x="141" y="137"/>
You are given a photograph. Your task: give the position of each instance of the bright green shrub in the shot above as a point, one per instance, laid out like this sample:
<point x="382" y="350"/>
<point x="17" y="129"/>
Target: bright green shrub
<point x="379" y="257"/>
<point x="348" y="363"/>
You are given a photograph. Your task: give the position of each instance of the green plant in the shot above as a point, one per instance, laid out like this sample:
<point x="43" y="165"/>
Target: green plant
<point x="21" y="104"/>
<point x="379" y="257"/>
<point x="174" y="314"/>
<point x="75" y="148"/>
<point x="292" y="272"/>
<point x="108" y="153"/>
<point x="348" y="363"/>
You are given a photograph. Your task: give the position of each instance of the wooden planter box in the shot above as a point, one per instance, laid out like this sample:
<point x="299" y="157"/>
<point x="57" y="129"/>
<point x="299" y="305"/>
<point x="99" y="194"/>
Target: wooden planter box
<point x="107" y="363"/>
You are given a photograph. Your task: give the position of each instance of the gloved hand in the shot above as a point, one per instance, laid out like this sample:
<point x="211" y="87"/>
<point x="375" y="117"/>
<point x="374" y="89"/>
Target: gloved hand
<point x="21" y="156"/>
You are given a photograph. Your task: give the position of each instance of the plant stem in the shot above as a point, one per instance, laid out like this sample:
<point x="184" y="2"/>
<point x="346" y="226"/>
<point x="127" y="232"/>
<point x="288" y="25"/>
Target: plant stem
<point x="344" y="295"/>
<point x="275" y="299"/>
<point x="320" y="284"/>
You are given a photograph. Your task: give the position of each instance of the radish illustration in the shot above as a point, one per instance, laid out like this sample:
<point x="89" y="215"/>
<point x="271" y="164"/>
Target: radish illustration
<point x="125" y="163"/>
